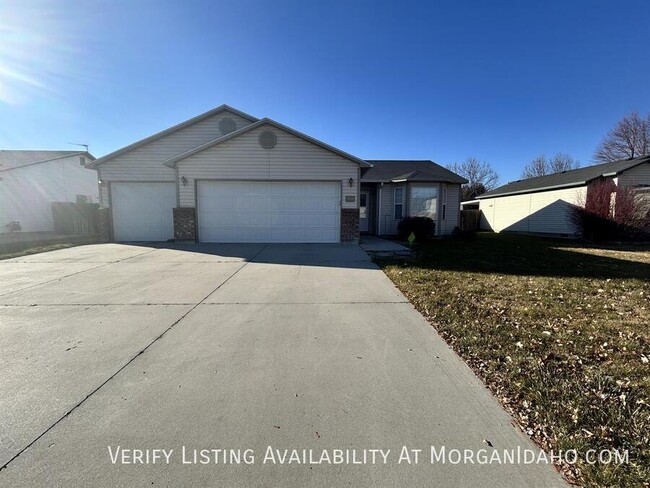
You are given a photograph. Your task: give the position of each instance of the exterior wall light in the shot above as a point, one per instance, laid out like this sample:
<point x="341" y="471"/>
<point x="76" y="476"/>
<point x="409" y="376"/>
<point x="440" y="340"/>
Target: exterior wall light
<point x="351" y="182"/>
<point x="184" y="180"/>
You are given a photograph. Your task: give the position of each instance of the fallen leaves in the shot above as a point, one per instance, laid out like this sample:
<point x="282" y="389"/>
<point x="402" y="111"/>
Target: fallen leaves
<point x="567" y="355"/>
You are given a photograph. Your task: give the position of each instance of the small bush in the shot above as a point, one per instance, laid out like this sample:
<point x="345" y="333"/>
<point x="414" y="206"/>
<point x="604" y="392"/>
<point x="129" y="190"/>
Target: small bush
<point x="422" y="227"/>
<point x="463" y="234"/>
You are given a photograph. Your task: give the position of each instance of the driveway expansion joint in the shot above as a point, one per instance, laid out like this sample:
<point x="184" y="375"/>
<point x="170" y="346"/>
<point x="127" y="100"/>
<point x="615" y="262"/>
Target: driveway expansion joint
<point x="142" y="351"/>
<point x="69" y="275"/>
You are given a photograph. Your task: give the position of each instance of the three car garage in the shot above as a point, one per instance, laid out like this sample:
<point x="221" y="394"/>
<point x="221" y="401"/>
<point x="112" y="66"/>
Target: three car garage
<point x="232" y="211"/>
<point x="225" y="176"/>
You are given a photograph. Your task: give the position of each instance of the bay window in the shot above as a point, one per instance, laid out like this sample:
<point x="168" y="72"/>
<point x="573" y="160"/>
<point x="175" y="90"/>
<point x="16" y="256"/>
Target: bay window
<point x="424" y="201"/>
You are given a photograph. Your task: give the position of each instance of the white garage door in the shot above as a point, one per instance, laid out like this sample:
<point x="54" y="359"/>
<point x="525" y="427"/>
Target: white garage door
<point x="143" y="211"/>
<point x="260" y="211"/>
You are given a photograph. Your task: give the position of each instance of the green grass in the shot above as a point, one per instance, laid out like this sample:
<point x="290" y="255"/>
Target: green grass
<point x="557" y="330"/>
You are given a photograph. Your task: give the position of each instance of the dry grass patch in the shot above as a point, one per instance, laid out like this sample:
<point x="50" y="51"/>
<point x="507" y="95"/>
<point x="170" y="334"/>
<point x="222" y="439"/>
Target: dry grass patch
<point x="557" y="330"/>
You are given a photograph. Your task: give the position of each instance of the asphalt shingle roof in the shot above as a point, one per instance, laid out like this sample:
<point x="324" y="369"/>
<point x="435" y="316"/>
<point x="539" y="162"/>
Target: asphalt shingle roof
<point x="423" y="170"/>
<point x="11" y="159"/>
<point x="566" y="178"/>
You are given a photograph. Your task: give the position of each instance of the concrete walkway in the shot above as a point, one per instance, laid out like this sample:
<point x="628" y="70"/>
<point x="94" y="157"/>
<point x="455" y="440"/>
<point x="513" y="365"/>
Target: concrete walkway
<point x="381" y="248"/>
<point x="233" y="347"/>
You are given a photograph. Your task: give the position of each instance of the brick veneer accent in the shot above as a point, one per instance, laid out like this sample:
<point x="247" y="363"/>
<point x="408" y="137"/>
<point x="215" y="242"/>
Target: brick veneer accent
<point x="350" y="224"/>
<point x="185" y="224"/>
<point x="105" y="225"/>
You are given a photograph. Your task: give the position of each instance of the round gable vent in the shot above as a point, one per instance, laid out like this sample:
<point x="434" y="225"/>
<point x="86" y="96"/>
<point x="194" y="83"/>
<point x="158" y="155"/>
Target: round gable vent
<point x="227" y="125"/>
<point x="268" y="139"/>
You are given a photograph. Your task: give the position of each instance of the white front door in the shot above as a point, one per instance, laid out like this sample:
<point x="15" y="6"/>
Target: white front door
<point x="269" y="211"/>
<point x="143" y="211"/>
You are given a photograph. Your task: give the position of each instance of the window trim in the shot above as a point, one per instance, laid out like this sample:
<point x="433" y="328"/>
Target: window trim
<point x="444" y="202"/>
<point x="400" y="203"/>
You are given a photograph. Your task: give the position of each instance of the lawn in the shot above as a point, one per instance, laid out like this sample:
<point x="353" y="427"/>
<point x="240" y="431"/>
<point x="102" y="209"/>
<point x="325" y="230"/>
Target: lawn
<point x="559" y="332"/>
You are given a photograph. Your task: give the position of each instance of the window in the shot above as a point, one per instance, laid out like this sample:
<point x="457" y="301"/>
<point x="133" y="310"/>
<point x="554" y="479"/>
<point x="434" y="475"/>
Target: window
<point x="444" y="203"/>
<point x="424" y="201"/>
<point x="399" y="203"/>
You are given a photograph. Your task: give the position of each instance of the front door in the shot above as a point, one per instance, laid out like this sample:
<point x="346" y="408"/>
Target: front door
<point x="364" y="221"/>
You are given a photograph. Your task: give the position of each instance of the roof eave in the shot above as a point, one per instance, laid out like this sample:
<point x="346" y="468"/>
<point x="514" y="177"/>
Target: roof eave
<point x="171" y="130"/>
<point x="171" y="162"/>
<point x="322" y="144"/>
<point x="80" y="153"/>
<point x="533" y="190"/>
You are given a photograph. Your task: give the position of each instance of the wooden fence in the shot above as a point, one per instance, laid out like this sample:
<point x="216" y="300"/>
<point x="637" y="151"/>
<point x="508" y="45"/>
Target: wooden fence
<point x="75" y="218"/>
<point x="470" y="219"/>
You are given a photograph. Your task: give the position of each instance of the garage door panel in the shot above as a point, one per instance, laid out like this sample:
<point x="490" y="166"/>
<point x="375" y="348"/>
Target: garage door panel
<point x="143" y="211"/>
<point x="237" y="211"/>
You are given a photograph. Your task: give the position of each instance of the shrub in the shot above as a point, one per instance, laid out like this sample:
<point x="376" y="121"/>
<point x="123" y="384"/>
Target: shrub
<point x="463" y="234"/>
<point x="422" y="227"/>
<point x="611" y="213"/>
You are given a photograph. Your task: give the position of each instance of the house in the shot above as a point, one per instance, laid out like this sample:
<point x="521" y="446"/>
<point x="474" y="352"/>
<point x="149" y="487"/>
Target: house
<point x="391" y="190"/>
<point x="31" y="180"/>
<point x="226" y="176"/>
<point x="542" y="205"/>
<point x="469" y="205"/>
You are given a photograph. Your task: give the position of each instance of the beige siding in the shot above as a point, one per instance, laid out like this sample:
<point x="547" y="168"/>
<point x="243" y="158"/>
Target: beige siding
<point x="387" y="221"/>
<point x="540" y="212"/>
<point x="638" y="176"/>
<point x="388" y="224"/>
<point x="452" y="212"/>
<point x="27" y="193"/>
<point x="242" y="158"/>
<point x="145" y="163"/>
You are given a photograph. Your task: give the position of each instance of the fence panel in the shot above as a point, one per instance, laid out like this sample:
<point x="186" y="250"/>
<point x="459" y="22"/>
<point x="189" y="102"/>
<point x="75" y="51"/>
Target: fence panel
<point x="470" y="219"/>
<point x="75" y="218"/>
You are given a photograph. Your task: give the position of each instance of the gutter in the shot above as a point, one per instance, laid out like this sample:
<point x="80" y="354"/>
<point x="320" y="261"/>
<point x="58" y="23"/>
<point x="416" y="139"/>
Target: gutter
<point x="534" y="190"/>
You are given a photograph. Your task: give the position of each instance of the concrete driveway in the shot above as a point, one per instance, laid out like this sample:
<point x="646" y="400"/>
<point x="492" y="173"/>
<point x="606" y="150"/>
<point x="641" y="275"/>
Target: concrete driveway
<point x="234" y="347"/>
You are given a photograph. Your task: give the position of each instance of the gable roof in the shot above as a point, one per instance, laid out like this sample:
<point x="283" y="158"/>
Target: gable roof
<point x="171" y="130"/>
<point x="384" y="171"/>
<point x="575" y="177"/>
<point x="18" y="158"/>
<point x="171" y="162"/>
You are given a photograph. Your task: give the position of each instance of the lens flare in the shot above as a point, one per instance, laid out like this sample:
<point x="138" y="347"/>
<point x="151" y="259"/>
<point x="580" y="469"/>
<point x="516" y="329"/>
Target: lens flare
<point x="35" y="50"/>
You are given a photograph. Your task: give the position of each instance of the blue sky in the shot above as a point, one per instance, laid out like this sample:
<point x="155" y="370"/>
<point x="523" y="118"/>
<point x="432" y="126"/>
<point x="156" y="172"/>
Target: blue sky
<point x="503" y="81"/>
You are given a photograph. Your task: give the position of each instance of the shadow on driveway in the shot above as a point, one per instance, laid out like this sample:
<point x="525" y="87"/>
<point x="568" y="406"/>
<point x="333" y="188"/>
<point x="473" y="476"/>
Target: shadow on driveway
<point x="329" y="255"/>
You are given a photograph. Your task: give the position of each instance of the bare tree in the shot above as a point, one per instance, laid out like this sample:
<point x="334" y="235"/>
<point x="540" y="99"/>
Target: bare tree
<point x="541" y="166"/>
<point x="630" y="138"/>
<point x="480" y="175"/>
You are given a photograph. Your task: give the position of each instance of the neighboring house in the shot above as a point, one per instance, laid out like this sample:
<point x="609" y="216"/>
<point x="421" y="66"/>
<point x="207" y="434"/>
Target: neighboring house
<point x="392" y="190"/>
<point x="31" y="180"/>
<point x="226" y="176"/>
<point x="542" y="205"/>
<point x="469" y="205"/>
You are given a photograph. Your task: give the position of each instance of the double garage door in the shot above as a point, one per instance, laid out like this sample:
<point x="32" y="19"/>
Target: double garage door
<point x="232" y="211"/>
<point x="268" y="211"/>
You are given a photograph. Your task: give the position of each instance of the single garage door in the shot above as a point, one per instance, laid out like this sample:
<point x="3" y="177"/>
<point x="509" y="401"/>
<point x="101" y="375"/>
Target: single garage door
<point x="143" y="211"/>
<point x="269" y="211"/>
